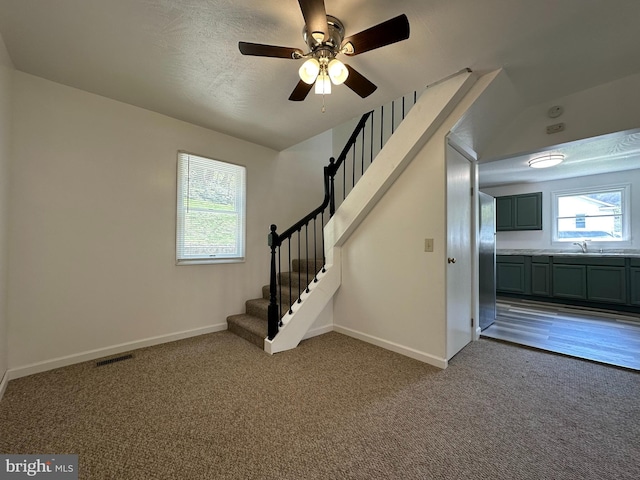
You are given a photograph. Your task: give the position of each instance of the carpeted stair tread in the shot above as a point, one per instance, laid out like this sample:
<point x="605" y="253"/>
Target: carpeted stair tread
<point x="250" y="328"/>
<point x="258" y="307"/>
<point x="295" y="279"/>
<point x="313" y="266"/>
<point x="285" y="297"/>
<point x="252" y="325"/>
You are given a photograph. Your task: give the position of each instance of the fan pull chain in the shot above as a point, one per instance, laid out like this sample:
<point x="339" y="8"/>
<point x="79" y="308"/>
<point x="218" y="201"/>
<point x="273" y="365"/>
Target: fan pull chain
<point x="323" y="109"/>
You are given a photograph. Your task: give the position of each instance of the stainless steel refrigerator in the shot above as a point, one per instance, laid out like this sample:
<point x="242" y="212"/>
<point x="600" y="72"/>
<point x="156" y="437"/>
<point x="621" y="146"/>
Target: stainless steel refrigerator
<point x="487" y="260"/>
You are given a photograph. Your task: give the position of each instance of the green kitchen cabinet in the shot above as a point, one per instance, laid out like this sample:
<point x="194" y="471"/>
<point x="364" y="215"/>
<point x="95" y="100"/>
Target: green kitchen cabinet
<point x="519" y="212"/>
<point x="510" y="274"/>
<point x="569" y="281"/>
<point x="504" y="213"/>
<point x="606" y="284"/>
<point x="607" y="281"/>
<point x="528" y="212"/>
<point x="540" y="278"/>
<point x="634" y="277"/>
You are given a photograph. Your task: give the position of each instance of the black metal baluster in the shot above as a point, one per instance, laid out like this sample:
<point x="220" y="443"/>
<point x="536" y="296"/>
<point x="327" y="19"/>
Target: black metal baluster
<point x="290" y="278"/>
<point x="362" y="155"/>
<point x="299" y="269"/>
<point x="353" y="166"/>
<point x="371" y="144"/>
<point x="403" y="107"/>
<point x="322" y="234"/>
<point x="344" y="181"/>
<point x="381" y="126"/>
<point x="393" y="117"/>
<point x="306" y="241"/>
<point x="280" y="290"/>
<point x="315" y="250"/>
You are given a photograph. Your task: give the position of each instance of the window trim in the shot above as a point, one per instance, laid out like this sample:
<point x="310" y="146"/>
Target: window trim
<point x="624" y="188"/>
<point x="179" y="226"/>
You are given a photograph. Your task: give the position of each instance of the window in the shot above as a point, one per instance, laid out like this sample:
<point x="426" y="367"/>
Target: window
<point x="210" y="211"/>
<point x="597" y="214"/>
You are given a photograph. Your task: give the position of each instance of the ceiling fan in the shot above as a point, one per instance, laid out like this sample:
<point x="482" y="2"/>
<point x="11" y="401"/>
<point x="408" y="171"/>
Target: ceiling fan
<point x="324" y="36"/>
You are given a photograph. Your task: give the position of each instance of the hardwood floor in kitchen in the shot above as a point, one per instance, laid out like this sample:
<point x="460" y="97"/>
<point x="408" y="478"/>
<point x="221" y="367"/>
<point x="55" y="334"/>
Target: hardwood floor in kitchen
<point x="601" y="336"/>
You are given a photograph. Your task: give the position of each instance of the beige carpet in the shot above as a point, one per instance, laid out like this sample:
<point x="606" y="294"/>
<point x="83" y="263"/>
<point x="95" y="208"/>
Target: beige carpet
<point x="217" y="407"/>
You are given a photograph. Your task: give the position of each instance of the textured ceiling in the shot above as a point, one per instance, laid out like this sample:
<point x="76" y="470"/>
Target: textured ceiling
<point x="180" y="57"/>
<point x="607" y="153"/>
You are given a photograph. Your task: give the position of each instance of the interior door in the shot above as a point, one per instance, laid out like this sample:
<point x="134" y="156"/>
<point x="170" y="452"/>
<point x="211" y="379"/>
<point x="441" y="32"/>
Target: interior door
<point x="459" y="259"/>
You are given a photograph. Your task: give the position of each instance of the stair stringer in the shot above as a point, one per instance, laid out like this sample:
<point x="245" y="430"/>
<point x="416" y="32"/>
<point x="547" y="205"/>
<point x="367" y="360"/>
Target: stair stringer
<point x="420" y="124"/>
<point x="297" y="324"/>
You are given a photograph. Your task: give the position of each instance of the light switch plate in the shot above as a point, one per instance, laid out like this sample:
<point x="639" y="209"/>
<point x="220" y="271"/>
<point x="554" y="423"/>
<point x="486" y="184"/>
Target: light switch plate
<point x="428" y="244"/>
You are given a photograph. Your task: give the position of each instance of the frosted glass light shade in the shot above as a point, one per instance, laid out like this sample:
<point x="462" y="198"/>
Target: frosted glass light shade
<point x="546" y="161"/>
<point x="309" y="71"/>
<point x="323" y="85"/>
<point x="337" y="72"/>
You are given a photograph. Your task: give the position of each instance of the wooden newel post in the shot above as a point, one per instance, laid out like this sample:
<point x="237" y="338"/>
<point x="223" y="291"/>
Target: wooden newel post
<point x="273" y="310"/>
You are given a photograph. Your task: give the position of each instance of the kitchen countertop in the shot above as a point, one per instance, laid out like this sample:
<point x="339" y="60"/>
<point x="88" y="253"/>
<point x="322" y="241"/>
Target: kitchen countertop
<point x="572" y="253"/>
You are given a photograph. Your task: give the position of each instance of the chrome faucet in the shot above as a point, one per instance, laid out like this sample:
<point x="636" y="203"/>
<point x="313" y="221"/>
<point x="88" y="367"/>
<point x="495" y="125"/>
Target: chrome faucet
<point x="582" y="245"/>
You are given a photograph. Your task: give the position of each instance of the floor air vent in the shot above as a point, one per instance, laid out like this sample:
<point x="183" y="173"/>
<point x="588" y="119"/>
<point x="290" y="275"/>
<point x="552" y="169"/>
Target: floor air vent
<point x="113" y="360"/>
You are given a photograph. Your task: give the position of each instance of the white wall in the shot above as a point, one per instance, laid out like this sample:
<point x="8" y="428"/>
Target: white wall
<point x="92" y="233"/>
<point x="541" y="239"/>
<point x="392" y="292"/>
<point x="298" y="179"/>
<point x="6" y="75"/>
<point x="607" y="108"/>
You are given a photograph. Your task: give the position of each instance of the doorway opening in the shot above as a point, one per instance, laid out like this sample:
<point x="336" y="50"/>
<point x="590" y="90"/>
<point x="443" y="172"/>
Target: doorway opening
<point x="602" y="336"/>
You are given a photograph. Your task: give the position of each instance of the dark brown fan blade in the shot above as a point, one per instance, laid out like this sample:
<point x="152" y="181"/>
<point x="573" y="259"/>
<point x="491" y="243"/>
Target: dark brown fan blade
<point x="385" y="33"/>
<point x="358" y="83"/>
<point x="300" y="92"/>
<point x="259" y="50"/>
<point x="315" y="16"/>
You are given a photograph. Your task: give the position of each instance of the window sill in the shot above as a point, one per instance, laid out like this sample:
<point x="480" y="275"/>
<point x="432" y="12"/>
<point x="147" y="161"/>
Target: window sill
<point x="209" y="261"/>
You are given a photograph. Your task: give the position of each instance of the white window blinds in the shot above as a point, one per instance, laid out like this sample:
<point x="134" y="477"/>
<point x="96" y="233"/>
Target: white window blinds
<point x="210" y="210"/>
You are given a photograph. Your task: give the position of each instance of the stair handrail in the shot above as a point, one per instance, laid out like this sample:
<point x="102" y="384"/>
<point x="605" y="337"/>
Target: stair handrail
<point x="328" y="170"/>
<point x="275" y="240"/>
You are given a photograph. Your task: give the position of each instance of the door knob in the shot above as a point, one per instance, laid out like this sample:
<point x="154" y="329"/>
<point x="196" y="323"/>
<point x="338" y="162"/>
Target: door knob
<point x="451" y="260"/>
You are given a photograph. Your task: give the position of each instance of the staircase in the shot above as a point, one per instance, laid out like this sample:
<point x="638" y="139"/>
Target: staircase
<point x="252" y="325"/>
<point x="271" y="322"/>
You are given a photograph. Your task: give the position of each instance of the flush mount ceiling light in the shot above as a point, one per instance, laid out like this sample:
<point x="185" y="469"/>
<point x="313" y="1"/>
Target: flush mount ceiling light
<point x="546" y="161"/>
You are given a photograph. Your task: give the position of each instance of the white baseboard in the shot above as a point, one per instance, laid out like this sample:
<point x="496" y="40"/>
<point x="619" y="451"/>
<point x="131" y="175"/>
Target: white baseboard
<point x="394" y="347"/>
<point x="3" y="383"/>
<point x="318" y="331"/>
<point x="107" y="351"/>
<point x="478" y="332"/>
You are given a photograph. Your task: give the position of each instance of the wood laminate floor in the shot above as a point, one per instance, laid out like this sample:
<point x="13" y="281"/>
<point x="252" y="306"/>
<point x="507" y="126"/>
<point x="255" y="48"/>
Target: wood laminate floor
<point x="602" y="336"/>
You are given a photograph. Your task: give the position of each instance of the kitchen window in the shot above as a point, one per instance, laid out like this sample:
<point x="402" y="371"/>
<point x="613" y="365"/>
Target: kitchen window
<point x="210" y="225"/>
<point x="596" y="214"/>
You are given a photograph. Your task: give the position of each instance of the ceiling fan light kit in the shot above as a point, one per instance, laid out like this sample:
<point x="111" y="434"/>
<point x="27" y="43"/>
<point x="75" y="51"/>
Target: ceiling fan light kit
<point x="323" y="85"/>
<point x="309" y="71"/>
<point x="324" y="36"/>
<point x="338" y="72"/>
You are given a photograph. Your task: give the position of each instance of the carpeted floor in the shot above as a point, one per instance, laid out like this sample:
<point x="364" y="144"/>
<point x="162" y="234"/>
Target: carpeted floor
<point x="217" y="407"/>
